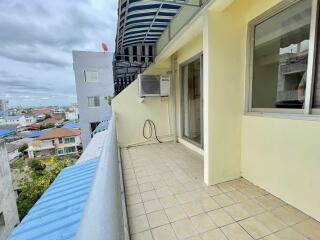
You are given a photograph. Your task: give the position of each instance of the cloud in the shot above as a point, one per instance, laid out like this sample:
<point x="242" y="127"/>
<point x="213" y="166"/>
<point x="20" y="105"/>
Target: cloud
<point x="45" y="32"/>
<point x="37" y="38"/>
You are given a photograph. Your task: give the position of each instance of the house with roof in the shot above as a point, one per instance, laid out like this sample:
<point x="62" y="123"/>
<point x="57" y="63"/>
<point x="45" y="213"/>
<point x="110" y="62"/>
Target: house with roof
<point x="230" y="149"/>
<point x="58" y="141"/>
<point x="55" y="120"/>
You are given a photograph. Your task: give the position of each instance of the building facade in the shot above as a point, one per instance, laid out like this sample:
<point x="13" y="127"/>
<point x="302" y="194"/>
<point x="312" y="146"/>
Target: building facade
<point x="245" y="92"/>
<point x="94" y="82"/>
<point x="59" y="141"/>
<point x="8" y="209"/>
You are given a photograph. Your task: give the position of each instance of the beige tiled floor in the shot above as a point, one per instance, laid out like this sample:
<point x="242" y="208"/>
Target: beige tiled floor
<point x="166" y="199"/>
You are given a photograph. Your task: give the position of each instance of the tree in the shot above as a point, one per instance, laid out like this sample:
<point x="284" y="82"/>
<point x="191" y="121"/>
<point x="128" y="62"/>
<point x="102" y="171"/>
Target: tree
<point x="49" y="125"/>
<point x="36" y="165"/>
<point x="23" y="147"/>
<point x="47" y="116"/>
<point x="41" y="174"/>
<point x="109" y="99"/>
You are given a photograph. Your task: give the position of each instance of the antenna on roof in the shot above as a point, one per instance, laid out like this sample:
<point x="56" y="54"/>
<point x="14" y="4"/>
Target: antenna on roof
<point x="104" y="47"/>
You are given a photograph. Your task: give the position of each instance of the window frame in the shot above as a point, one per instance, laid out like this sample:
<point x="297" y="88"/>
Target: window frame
<point x="67" y="140"/>
<point x="198" y="56"/>
<point x="307" y="111"/>
<point x="90" y="70"/>
<point x="60" y="149"/>
<point x="66" y="150"/>
<point x="94" y="106"/>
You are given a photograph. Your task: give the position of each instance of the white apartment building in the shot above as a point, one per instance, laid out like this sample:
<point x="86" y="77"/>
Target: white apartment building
<point x="94" y="81"/>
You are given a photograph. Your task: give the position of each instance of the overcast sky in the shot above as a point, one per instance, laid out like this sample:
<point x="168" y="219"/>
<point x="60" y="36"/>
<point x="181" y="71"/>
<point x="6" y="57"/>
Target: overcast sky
<point x="36" y="40"/>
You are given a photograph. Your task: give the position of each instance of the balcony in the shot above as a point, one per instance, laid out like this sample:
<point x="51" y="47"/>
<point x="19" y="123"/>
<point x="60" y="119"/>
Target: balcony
<point x="156" y="192"/>
<point x="167" y="199"/>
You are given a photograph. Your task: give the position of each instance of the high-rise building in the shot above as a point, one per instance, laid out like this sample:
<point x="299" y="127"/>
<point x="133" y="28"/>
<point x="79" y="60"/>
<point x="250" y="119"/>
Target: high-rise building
<point x="3" y="105"/>
<point x="130" y="60"/>
<point x="94" y="82"/>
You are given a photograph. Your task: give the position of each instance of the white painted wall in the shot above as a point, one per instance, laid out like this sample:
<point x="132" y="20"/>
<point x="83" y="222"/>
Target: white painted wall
<point x="101" y="62"/>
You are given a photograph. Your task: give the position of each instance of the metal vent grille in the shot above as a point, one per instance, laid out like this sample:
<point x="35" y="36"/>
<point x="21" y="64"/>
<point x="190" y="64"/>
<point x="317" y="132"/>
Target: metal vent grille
<point x="150" y="85"/>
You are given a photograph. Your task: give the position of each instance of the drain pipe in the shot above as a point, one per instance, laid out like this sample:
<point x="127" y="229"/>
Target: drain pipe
<point x="173" y="87"/>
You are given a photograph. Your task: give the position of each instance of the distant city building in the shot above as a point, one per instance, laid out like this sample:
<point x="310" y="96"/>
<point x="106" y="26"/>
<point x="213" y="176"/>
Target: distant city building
<point x="58" y="141"/>
<point x="19" y="120"/>
<point x="40" y="116"/>
<point x="30" y="119"/>
<point x="8" y="209"/>
<point x="3" y="105"/>
<point x="94" y="81"/>
<point x="72" y="113"/>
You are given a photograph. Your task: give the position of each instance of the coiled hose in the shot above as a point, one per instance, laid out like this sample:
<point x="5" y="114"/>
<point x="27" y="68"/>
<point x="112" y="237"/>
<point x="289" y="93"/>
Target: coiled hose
<point x="152" y="128"/>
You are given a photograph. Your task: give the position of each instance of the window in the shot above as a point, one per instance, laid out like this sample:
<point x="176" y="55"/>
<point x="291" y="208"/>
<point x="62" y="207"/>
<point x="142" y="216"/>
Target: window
<point x="69" y="150"/>
<point x="93" y="101"/>
<point x="135" y="53"/>
<point x="90" y="76"/>
<point x="143" y="53"/>
<point x="282" y="65"/>
<point x="60" y="140"/>
<point x="150" y="53"/>
<point x="69" y="140"/>
<point x="2" y="223"/>
<point x="192" y="101"/>
<point x="94" y="125"/>
<point x="60" y="151"/>
<point x="126" y="53"/>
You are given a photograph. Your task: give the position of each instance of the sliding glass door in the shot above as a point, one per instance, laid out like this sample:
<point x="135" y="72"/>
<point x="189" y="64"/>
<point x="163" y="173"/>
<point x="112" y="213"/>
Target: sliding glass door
<point x="192" y="101"/>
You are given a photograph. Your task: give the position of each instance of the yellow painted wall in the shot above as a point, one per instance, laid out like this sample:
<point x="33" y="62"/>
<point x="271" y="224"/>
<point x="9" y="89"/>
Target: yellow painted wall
<point x="282" y="156"/>
<point x="224" y="43"/>
<point x="131" y="115"/>
<point x="191" y="49"/>
<point x="279" y="155"/>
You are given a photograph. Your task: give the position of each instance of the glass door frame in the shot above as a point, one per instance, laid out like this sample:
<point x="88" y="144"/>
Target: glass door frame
<point x="182" y="112"/>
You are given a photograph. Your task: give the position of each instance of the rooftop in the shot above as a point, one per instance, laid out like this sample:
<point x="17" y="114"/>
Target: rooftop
<point x="6" y="132"/>
<point x="71" y="125"/>
<point x="57" y="214"/>
<point x="11" y="147"/>
<point x="59" y="132"/>
<point x="37" y="134"/>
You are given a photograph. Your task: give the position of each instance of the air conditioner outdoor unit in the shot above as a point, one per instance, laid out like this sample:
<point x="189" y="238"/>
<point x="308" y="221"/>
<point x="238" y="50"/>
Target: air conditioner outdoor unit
<point x="154" y="85"/>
